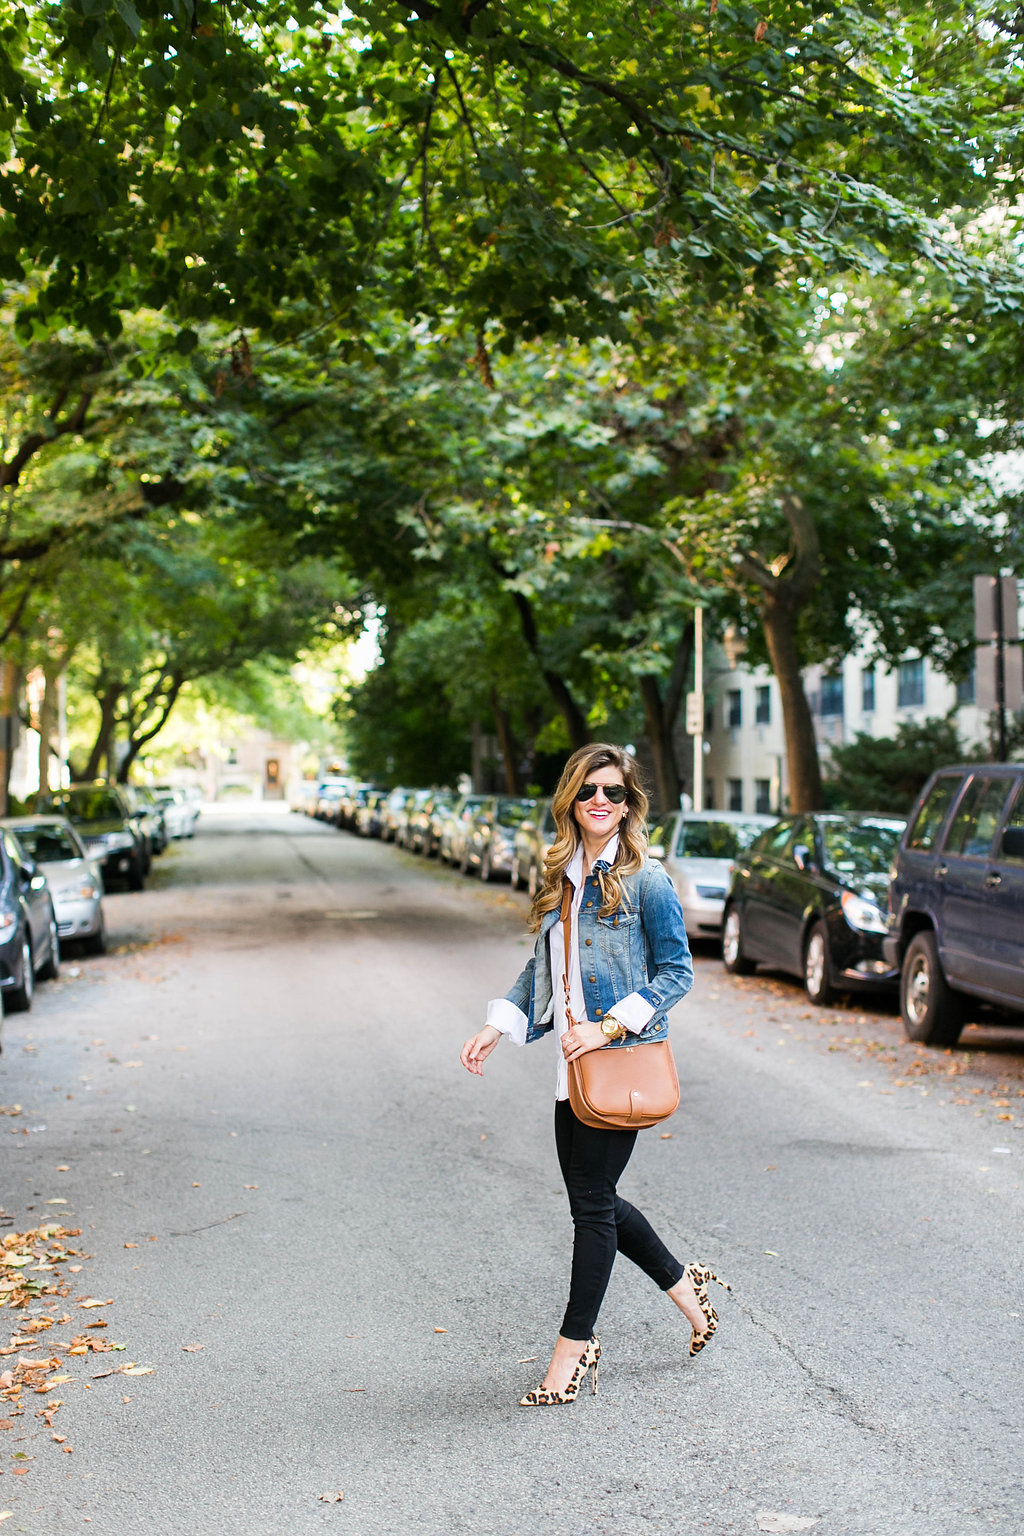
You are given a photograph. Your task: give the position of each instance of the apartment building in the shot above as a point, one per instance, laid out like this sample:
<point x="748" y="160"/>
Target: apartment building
<point x="745" y="752"/>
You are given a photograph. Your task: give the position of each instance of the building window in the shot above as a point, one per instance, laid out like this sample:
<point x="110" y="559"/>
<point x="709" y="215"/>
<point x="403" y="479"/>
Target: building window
<point x="910" y="683"/>
<point x="763" y="796"/>
<point x="735" y="794"/>
<point x="965" y="687"/>
<point x="709" y="794"/>
<point x="763" y="707"/>
<point x="867" y="690"/>
<point x="832" y="695"/>
<point x="734" y="709"/>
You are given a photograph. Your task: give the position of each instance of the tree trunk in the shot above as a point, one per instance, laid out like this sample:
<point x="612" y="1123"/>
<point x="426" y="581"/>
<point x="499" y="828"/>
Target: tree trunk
<point x="804" y="771"/>
<point x="507" y="743"/>
<point x="10" y="684"/>
<point x="48" y="720"/>
<point x="659" y="735"/>
<point x="137" y="739"/>
<point x="575" y="720"/>
<point x="108" y="695"/>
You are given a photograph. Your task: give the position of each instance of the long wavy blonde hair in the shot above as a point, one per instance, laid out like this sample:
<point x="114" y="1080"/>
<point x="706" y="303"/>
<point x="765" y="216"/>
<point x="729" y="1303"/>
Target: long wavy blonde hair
<point x="632" y="852"/>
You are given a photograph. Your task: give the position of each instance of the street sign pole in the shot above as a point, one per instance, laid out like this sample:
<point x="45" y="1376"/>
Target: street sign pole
<point x="1000" y="639"/>
<point x="698" y="688"/>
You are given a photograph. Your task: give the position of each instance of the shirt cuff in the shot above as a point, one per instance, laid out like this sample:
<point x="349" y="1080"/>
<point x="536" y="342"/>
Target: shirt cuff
<point x="634" y="1011"/>
<point x="507" y="1019"/>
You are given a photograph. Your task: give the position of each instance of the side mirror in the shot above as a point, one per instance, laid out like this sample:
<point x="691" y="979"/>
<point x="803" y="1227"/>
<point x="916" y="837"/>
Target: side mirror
<point x="802" y="858"/>
<point x="28" y="871"/>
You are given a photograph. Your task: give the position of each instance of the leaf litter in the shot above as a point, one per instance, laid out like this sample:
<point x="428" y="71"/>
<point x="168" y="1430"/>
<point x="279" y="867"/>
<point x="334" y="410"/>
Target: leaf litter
<point x="30" y="1269"/>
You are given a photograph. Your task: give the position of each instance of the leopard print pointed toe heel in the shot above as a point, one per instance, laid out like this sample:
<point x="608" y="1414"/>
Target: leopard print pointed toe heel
<point x="700" y="1277"/>
<point x="544" y="1397"/>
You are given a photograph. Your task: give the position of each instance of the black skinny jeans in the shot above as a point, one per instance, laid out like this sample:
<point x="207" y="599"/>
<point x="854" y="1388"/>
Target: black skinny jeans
<point x="592" y="1162"/>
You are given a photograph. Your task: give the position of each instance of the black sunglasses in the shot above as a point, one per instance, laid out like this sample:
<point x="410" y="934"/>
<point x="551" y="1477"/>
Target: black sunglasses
<point x="616" y="793"/>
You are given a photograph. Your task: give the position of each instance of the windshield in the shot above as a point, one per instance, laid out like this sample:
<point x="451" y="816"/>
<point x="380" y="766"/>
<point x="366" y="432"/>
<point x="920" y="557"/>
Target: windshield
<point x="512" y="813"/>
<point x="862" y="847"/>
<point x="715" y="839"/>
<point x="48" y="845"/>
<point x="92" y="805"/>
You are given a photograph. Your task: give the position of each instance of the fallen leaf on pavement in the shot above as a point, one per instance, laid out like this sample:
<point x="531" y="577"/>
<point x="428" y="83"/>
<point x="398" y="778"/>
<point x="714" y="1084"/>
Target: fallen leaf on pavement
<point x="192" y="1349"/>
<point x="91" y="1301"/>
<point x="440" y="1330"/>
<point x="137" y="1370"/>
<point x="331" y="1498"/>
<point x="767" y="1520"/>
<point x="6" y="1514"/>
<point x="131" y="1245"/>
<point x="251" y="1186"/>
<point x="667" y="1135"/>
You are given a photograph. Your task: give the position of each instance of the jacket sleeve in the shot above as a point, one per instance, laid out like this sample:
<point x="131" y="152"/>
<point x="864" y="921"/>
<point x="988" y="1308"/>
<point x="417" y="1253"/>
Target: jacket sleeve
<point x="509" y="1014"/>
<point x="661" y="913"/>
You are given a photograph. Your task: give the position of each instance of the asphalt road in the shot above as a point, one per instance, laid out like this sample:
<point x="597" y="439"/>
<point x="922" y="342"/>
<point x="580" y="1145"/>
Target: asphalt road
<point x="337" y="1251"/>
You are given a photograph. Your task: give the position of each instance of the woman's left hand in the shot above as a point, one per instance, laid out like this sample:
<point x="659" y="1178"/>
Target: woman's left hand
<point x="581" y="1039"/>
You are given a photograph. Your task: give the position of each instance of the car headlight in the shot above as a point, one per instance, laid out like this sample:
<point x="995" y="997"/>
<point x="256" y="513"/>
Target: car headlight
<point x="87" y="890"/>
<point x="863" y="915"/>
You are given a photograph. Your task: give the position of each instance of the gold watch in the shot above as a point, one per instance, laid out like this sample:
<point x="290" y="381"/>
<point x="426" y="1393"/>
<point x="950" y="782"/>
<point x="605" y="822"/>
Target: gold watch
<point x="613" y="1029"/>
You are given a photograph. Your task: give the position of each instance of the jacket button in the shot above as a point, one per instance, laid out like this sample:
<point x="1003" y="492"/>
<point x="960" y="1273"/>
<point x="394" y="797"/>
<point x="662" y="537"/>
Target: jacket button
<point x="591" y="978"/>
<point x="588" y="941"/>
<point x="590" y="903"/>
<point x="599" y="1012"/>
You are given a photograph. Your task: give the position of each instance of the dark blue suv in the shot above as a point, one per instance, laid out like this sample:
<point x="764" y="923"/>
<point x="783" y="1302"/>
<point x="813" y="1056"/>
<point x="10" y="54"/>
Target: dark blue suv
<point x="956" y="900"/>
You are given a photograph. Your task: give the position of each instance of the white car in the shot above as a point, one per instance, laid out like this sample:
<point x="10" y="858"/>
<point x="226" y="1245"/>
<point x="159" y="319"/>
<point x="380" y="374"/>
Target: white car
<point x="179" y="812"/>
<point x="698" y="849"/>
<point x="74" y="879"/>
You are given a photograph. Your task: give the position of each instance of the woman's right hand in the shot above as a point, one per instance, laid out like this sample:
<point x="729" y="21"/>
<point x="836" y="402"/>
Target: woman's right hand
<point x="477" y="1049"/>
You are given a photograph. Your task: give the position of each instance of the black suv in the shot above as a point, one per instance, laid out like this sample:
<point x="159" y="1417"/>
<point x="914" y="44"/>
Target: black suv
<point x="106" y="824"/>
<point x="956" y="900"/>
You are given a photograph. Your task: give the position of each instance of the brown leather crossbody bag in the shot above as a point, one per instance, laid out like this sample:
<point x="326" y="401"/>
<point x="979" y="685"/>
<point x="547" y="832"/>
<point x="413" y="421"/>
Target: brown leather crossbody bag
<point x="618" y="1088"/>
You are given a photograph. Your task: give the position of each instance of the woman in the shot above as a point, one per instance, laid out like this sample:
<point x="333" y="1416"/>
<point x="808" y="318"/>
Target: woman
<point x="625" y="922"/>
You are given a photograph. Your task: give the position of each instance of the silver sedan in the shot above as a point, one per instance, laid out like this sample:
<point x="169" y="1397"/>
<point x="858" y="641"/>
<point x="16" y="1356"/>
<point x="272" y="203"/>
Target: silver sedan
<point x="698" y="849"/>
<point x="76" y="885"/>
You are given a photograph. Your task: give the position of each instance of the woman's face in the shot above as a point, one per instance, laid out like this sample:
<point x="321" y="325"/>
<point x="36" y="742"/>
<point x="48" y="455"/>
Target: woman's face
<point x="599" y="816"/>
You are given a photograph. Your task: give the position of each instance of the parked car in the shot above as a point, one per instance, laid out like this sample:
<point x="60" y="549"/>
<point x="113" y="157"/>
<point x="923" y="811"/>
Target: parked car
<point x="368" y="815"/>
<point x="956" y="900"/>
<point x="148" y="822"/>
<point x="74" y="880"/>
<point x="424" y="834"/>
<point x="488" y="846"/>
<point x="810" y="896"/>
<point x="180" y="812"/>
<point x="155" y="811"/>
<point x="328" y="799"/>
<point x="699" y="850"/>
<point x="534" y="837"/>
<point x="391" y="806"/>
<point x="454" y="825"/>
<point x="104" y="823"/>
<point x="29" y="946"/>
<point x="414" y="801"/>
<point x="350" y="802"/>
<point x="414" y="826"/>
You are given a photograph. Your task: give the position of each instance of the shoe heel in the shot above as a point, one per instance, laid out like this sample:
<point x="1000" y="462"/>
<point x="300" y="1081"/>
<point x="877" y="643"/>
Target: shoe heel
<point x="723" y="1283"/>
<point x="595" y="1377"/>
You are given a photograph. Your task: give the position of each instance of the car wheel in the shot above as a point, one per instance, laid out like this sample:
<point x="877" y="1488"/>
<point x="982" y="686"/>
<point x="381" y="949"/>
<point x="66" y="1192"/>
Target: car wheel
<point x="19" y="999"/>
<point x="733" y="958"/>
<point x="485" y="866"/>
<point x="818" y="966"/>
<point x="96" y="943"/>
<point x="136" y="875"/>
<point x="933" y="1014"/>
<point x="463" y="864"/>
<point x="51" y="970"/>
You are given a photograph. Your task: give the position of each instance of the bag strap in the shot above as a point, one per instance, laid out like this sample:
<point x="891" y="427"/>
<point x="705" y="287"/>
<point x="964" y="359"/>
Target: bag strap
<point x="566" y="920"/>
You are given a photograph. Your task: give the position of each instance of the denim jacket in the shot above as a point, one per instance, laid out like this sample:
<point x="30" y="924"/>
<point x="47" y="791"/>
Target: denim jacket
<point x="641" y="948"/>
